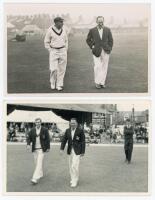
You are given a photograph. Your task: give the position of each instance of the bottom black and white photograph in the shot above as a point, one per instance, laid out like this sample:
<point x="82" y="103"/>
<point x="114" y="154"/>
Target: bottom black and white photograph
<point x="74" y="148"/>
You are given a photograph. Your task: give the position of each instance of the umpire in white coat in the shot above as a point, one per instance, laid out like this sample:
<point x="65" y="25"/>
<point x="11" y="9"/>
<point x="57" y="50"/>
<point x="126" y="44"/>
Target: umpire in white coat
<point x="76" y="148"/>
<point x="56" y="41"/>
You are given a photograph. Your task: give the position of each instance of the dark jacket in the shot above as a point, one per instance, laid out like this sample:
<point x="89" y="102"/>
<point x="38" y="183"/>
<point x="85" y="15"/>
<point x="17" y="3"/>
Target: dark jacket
<point x="78" y="142"/>
<point x="93" y="39"/>
<point x="128" y="133"/>
<point x="44" y="139"/>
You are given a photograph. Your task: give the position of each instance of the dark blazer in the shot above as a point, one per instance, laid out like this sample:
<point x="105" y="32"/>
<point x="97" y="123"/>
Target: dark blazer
<point x="128" y="133"/>
<point x="44" y="139"/>
<point x="106" y="43"/>
<point x="78" y="142"/>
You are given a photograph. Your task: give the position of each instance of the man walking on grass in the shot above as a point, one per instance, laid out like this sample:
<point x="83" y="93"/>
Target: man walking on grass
<point x="39" y="137"/>
<point x="76" y="149"/>
<point x="100" y="41"/>
<point x="56" y="41"/>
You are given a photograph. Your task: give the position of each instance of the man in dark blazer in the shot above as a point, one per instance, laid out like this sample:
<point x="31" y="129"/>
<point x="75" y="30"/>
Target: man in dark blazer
<point x="76" y="148"/>
<point x="39" y="137"/>
<point x="100" y="41"/>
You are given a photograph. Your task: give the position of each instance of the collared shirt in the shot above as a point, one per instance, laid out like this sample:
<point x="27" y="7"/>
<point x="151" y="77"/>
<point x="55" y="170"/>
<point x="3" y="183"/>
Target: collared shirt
<point x="55" y="38"/>
<point x="38" y="130"/>
<point x="38" y="145"/>
<point x="100" y="30"/>
<point x="73" y="132"/>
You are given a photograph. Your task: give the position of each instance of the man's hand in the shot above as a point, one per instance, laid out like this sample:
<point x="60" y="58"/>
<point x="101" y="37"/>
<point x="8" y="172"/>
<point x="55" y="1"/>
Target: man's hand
<point x="82" y="155"/>
<point x="61" y="152"/>
<point x="93" y="47"/>
<point x="28" y="148"/>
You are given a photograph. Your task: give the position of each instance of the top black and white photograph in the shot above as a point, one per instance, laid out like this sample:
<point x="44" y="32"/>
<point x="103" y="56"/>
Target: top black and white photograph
<point x="77" y="48"/>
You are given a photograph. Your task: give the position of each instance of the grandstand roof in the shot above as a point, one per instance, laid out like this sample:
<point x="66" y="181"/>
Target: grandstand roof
<point x="100" y="108"/>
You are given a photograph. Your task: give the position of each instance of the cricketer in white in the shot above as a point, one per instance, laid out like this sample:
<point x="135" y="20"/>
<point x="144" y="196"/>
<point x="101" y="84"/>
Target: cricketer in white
<point x="56" y="41"/>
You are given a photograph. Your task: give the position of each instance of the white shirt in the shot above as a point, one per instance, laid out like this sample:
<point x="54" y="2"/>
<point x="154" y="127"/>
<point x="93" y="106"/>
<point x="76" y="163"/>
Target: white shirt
<point x="38" y="145"/>
<point x="100" y="32"/>
<point x="38" y="130"/>
<point x="72" y="133"/>
<point x="56" y="38"/>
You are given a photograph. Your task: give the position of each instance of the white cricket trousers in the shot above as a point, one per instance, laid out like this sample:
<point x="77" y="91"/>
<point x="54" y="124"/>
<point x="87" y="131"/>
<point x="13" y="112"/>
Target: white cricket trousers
<point x="74" y="161"/>
<point x="58" y="63"/>
<point x="101" y="67"/>
<point x="38" y="160"/>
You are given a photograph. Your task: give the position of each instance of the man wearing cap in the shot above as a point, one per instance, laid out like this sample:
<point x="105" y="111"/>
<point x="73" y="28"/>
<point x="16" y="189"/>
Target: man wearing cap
<point x="39" y="137"/>
<point x="100" y="41"/>
<point x="128" y="140"/>
<point x="76" y="148"/>
<point x="56" y="41"/>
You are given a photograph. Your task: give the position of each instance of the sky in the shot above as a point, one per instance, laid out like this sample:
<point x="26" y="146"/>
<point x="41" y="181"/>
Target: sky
<point x="138" y="106"/>
<point x="119" y="10"/>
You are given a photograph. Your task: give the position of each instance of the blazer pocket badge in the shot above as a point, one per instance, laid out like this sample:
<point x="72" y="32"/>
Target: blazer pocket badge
<point x="77" y="138"/>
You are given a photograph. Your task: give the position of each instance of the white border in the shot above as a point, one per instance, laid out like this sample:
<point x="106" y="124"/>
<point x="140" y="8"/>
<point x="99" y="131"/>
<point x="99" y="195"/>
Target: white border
<point x="152" y="98"/>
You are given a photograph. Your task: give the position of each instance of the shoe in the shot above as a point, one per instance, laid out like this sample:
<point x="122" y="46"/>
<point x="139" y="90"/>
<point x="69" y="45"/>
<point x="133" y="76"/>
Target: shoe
<point x="34" y="182"/>
<point x="73" y="185"/>
<point x="52" y="87"/>
<point x="103" y="86"/>
<point x="129" y="162"/>
<point x="126" y="161"/>
<point x="98" y="86"/>
<point x="59" y="88"/>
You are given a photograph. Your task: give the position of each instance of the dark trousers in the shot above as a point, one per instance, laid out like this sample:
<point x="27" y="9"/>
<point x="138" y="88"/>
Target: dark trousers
<point x="128" y="150"/>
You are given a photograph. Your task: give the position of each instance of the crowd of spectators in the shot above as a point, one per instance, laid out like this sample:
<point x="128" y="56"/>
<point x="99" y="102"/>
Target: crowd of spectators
<point x="114" y="134"/>
<point x="17" y="132"/>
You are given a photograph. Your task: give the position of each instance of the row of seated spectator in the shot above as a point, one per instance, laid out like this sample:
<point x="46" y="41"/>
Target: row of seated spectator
<point x="113" y="134"/>
<point x="18" y="131"/>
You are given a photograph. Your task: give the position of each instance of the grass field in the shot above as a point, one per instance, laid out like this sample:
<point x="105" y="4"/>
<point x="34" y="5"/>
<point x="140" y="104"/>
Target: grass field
<point x="28" y="70"/>
<point x="102" y="169"/>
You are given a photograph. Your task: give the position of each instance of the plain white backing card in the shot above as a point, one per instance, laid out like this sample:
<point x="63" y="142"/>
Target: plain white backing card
<point x="152" y="97"/>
